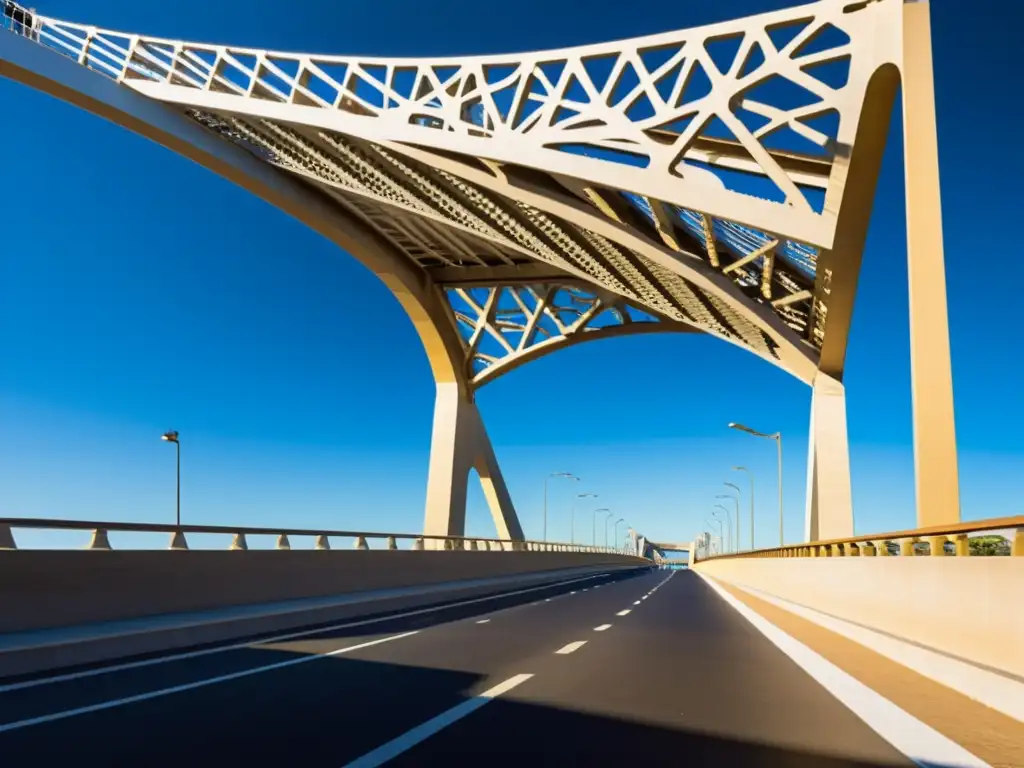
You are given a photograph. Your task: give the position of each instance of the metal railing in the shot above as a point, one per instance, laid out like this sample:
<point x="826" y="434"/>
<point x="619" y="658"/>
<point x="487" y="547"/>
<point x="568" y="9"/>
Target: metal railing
<point x="935" y="541"/>
<point x="100" y="537"/>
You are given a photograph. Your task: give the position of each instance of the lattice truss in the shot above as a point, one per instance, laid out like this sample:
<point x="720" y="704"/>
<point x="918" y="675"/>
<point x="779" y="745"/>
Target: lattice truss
<point x="506" y="325"/>
<point x="722" y="147"/>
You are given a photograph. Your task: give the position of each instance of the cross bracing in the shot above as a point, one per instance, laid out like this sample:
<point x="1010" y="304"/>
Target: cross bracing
<point x="696" y="174"/>
<point x="716" y="179"/>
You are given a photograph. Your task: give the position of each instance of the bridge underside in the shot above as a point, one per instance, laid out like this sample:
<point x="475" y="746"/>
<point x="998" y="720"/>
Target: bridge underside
<point x="715" y="180"/>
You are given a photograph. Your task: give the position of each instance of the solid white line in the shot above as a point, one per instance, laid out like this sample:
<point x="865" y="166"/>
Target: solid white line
<point x="190" y="686"/>
<point x="624" y="613"/>
<point x="602" y="628"/>
<point x="278" y="638"/>
<point x="919" y="742"/>
<point x="571" y="647"/>
<point x="410" y="739"/>
<point x="991" y="689"/>
<point x="483" y="621"/>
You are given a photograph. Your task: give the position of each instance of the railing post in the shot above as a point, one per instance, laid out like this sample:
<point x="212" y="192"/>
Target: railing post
<point x="322" y="542"/>
<point x="883" y="548"/>
<point x="963" y="545"/>
<point x="239" y="542"/>
<point x="854" y="549"/>
<point x="7" y="538"/>
<point x="868" y="549"/>
<point x="178" y="541"/>
<point x="282" y="541"/>
<point x="1017" y="543"/>
<point x="418" y="545"/>
<point x="361" y="543"/>
<point x="937" y="546"/>
<point x="907" y="547"/>
<point x="99" y="540"/>
<point x="392" y="544"/>
<point x="473" y="545"/>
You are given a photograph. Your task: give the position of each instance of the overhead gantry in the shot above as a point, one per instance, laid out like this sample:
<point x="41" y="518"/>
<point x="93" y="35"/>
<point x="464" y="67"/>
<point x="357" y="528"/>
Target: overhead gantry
<point x="717" y="180"/>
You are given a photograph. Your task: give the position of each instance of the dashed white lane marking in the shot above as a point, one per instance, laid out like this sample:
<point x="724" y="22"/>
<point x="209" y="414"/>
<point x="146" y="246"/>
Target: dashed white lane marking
<point x="573" y="592"/>
<point x="645" y="597"/>
<point x="919" y="742"/>
<point x="571" y="647"/>
<point x="624" y="613"/>
<point x="602" y="628"/>
<point x="483" y="621"/>
<point x="190" y="686"/>
<point x="636" y="602"/>
<point x="279" y="638"/>
<point x="410" y="739"/>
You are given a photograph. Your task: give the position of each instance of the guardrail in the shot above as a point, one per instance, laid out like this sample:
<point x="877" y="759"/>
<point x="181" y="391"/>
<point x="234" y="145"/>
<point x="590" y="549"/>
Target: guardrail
<point x="935" y="541"/>
<point x="322" y="538"/>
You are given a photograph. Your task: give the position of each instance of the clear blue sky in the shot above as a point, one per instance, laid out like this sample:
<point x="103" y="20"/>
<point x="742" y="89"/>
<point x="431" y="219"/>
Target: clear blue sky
<point x="139" y="293"/>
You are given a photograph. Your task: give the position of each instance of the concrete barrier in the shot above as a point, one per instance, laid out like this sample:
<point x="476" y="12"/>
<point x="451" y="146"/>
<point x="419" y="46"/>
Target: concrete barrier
<point x="42" y="589"/>
<point x="968" y="607"/>
<point x="61" y="609"/>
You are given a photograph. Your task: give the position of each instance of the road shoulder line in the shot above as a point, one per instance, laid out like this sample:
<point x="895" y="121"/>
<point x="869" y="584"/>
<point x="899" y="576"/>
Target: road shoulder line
<point x="919" y="742"/>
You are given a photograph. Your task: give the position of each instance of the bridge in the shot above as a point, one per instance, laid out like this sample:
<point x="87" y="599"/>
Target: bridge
<point x="517" y="205"/>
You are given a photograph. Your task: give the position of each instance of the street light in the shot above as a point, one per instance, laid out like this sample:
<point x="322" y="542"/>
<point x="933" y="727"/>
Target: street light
<point x="578" y="496"/>
<point x="594" y="533"/>
<point x="606" y="521"/>
<point x="730" y="543"/>
<point x="751" y="476"/>
<point x="736" y="500"/>
<point x="777" y="437"/>
<point x="620" y="520"/>
<point x="172" y="437"/>
<point x="567" y="476"/>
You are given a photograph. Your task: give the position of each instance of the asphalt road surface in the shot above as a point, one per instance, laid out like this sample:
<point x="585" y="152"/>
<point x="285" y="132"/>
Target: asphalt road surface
<point x="645" y="668"/>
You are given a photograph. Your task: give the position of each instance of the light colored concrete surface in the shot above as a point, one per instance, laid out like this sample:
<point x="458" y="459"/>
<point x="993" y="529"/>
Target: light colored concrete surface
<point x="966" y="607"/>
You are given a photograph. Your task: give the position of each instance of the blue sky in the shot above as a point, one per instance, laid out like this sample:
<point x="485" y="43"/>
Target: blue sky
<point x="139" y="292"/>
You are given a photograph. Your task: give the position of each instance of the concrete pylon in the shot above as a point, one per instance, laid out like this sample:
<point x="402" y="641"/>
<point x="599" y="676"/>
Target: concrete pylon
<point x="322" y="542"/>
<point x="392" y="544"/>
<point x="282" y="542"/>
<point x="829" y="513"/>
<point x="361" y="543"/>
<point x="239" y="542"/>
<point x="178" y="541"/>
<point x="459" y="443"/>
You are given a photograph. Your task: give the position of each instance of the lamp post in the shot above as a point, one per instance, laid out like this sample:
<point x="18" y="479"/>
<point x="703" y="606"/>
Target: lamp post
<point x="172" y="437"/>
<point x="567" y="476"/>
<point x="594" y="537"/>
<point x="751" y="476"/>
<point x="777" y="437"/>
<point x="736" y="501"/>
<point x="606" y="521"/>
<point x="616" y="532"/>
<point x="578" y="497"/>
<point x="730" y="543"/>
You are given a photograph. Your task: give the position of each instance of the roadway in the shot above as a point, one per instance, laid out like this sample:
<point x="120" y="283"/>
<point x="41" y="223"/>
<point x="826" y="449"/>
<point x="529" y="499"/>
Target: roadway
<point x="645" y="668"/>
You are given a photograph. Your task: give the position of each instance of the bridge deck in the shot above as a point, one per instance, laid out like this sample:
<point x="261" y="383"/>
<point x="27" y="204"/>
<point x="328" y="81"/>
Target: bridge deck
<point x="680" y="677"/>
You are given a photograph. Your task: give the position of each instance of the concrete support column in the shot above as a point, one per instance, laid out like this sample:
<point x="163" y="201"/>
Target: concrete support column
<point x="829" y="495"/>
<point x="935" y="460"/>
<point x="460" y="442"/>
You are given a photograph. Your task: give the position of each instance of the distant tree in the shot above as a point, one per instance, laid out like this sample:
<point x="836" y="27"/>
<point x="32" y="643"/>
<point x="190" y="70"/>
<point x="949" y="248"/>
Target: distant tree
<point x="989" y="546"/>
